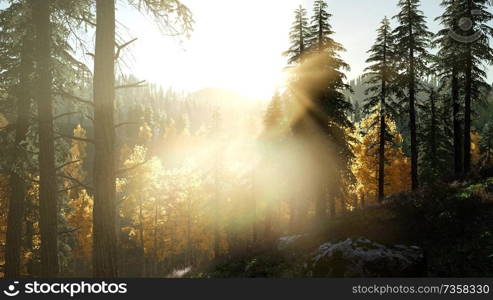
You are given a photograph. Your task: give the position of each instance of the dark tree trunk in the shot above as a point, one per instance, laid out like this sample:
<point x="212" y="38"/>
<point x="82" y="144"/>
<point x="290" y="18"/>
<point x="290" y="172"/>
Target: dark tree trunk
<point x="48" y="211"/>
<point x="467" y="116"/>
<point x="412" y="115"/>
<point x="383" y="129"/>
<point x="458" y="164"/>
<point x="104" y="235"/>
<point x="13" y="247"/>
<point x="302" y="37"/>
<point x="414" y="141"/>
<point x="381" y="157"/>
<point x="467" y="102"/>
<point x="433" y="132"/>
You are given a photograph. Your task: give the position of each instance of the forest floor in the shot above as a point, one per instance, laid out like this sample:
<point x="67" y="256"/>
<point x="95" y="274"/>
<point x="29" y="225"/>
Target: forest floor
<point x="451" y="223"/>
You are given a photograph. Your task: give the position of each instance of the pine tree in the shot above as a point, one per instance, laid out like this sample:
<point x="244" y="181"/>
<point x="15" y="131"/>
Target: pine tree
<point x="476" y="36"/>
<point x="44" y="97"/>
<point x="17" y="49"/>
<point x="411" y="41"/>
<point x="448" y="63"/>
<point x="298" y="36"/>
<point x="321" y="82"/>
<point x="379" y="76"/>
<point x="434" y="142"/>
<point x="105" y="236"/>
<point x="24" y="25"/>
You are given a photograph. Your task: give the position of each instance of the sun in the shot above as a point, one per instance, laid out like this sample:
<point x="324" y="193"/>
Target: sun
<point x="237" y="52"/>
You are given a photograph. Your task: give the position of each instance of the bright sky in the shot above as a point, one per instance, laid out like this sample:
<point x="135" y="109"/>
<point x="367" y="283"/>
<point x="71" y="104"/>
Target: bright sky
<point x="237" y="44"/>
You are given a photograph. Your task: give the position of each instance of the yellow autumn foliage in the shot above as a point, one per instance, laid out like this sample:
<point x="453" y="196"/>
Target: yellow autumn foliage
<point x="365" y="167"/>
<point x="81" y="203"/>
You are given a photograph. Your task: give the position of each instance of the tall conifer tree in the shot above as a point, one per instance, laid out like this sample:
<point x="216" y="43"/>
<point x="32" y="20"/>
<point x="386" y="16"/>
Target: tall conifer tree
<point x="412" y="40"/>
<point x="449" y="67"/>
<point x="380" y="76"/>
<point x="329" y="107"/>
<point x="475" y="35"/>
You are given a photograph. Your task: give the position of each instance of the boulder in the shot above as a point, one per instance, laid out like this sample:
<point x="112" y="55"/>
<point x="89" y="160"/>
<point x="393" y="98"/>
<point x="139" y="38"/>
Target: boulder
<point x="289" y="242"/>
<point x="303" y="244"/>
<point x="364" y="258"/>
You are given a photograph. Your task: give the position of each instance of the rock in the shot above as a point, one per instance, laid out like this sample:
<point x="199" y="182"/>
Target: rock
<point x="303" y="244"/>
<point x="287" y="242"/>
<point x="365" y="258"/>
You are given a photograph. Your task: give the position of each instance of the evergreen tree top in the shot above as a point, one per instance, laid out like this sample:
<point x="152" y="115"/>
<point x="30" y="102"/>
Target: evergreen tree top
<point x="412" y="30"/>
<point x="411" y="39"/>
<point x="298" y="36"/>
<point x="321" y="31"/>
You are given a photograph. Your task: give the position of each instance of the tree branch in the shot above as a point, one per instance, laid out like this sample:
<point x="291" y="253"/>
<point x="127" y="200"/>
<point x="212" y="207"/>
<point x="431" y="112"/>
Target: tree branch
<point x="122" y="171"/>
<point x="87" y="187"/>
<point x="89" y="117"/>
<point x="69" y="231"/>
<point x="76" y="98"/>
<point x="120" y="47"/>
<point x="65" y="114"/>
<point x="67" y="163"/>
<point x="69" y="188"/>
<point x="86" y="140"/>
<point x="126" y="123"/>
<point x="131" y="85"/>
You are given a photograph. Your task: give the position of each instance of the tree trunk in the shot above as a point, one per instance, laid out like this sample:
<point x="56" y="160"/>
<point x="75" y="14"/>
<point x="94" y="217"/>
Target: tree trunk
<point x="48" y="211"/>
<point x="381" y="150"/>
<point x="17" y="182"/>
<point x="412" y="116"/>
<point x="433" y="132"/>
<point x="381" y="159"/>
<point x="104" y="235"/>
<point x="457" y="125"/>
<point x="468" y="100"/>
<point x="467" y="115"/>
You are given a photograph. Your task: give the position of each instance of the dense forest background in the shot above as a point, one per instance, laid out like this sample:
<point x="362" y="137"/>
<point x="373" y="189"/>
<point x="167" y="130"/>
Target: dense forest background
<point x="104" y="174"/>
